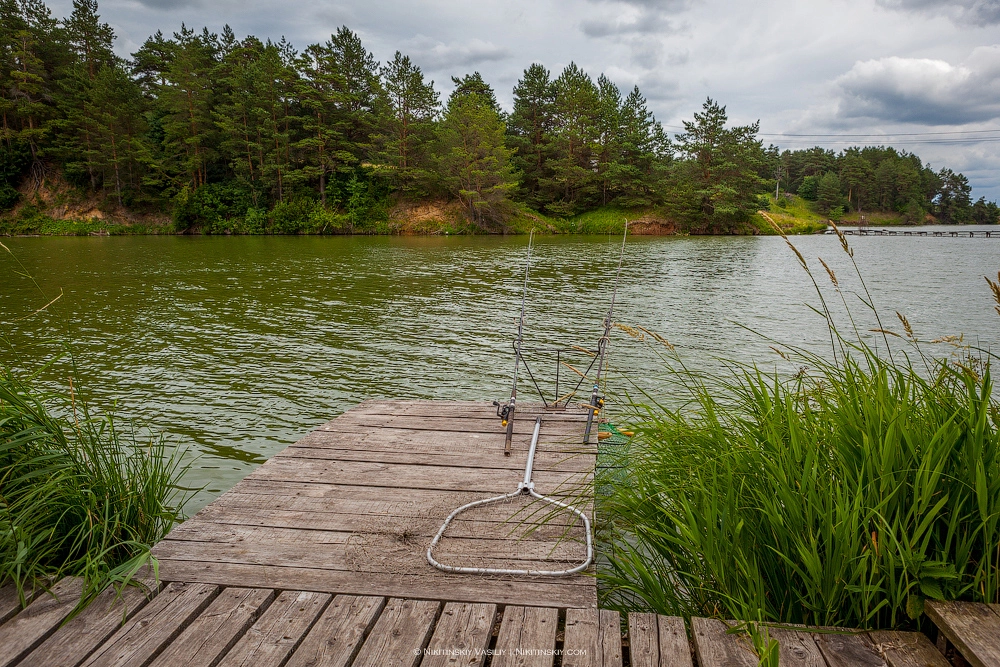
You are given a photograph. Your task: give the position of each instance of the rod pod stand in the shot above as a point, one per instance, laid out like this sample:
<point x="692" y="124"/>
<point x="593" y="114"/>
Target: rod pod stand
<point x="524" y="488"/>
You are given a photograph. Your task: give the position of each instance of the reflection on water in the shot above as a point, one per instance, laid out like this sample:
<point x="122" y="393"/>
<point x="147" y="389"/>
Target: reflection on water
<point x="237" y="346"/>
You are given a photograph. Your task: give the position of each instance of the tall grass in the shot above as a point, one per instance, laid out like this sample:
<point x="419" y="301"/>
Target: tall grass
<point x="845" y="495"/>
<point x="77" y="496"/>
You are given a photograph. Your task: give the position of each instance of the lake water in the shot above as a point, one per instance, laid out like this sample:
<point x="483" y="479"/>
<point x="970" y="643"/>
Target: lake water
<point x="235" y="347"/>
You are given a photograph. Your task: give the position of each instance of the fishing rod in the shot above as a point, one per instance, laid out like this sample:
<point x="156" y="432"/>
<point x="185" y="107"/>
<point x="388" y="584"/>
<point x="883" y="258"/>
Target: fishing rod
<point x="506" y="412"/>
<point x="596" y="400"/>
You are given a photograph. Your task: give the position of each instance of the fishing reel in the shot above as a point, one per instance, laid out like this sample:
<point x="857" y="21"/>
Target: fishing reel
<point x="503" y="411"/>
<point x="597" y="405"/>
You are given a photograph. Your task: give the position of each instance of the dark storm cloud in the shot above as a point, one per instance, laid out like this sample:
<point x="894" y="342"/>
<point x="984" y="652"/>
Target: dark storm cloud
<point x="972" y="12"/>
<point x="635" y="17"/>
<point x="920" y="90"/>
<point x="640" y="23"/>
<point x="434" y="55"/>
<point x="167" y="5"/>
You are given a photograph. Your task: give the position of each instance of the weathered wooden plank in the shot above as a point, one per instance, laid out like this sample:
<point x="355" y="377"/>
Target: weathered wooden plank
<point x="592" y="638"/>
<point x="10" y="603"/>
<point x="405" y="528"/>
<point x="216" y="629"/>
<point x="848" y="649"/>
<point x="610" y="626"/>
<point x="394" y="476"/>
<point x="331" y="492"/>
<point x="462" y="409"/>
<point x="796" y="648"/>
<point x="461" y="637"/>
<point x="440" y="586"/>
<point x="375" y="556"/>
<point x="644" y="640"/>
<point x="973" y="628"/>
<point x="436" y="415"/>
<point x="485" y="462"/>
<point x="582" y="638"/>
<point x="674" y="647"/>
<point x="907" y="649"/>
<point x="38" y="620"/>
<point x="527" y="637"/>
<point x="715" y="646"/>
<point x="333" y="543"/>
<point x="274" y="636"/>
<point x="389" y="507"/>
<point x="154" y="626"/>
<point x="390" y="439"/>
<point x="359" y="423"/>
<point x="400" y="633"/>
<point x="336" y="637"/>
<point x="73" y="642"/>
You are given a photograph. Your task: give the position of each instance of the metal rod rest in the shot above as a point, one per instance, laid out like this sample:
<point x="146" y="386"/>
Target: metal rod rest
<point x="525" y="488"/>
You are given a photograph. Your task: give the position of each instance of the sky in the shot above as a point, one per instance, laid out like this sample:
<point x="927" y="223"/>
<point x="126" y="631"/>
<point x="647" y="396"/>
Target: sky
<point x="920" y="75"/>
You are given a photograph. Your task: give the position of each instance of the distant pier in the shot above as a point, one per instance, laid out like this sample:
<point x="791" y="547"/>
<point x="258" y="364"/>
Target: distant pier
<point x="974" y="234"/>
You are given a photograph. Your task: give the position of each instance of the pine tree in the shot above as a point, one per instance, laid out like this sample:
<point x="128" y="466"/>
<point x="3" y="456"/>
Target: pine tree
<point x="115" y="107"/>
<point x="473" y="84"/>
<point x="412" y="107"/>
<point x="239" y="116"/>
<point x="530" y="130"/>
<point x="608" y="149"/>
<point x="473" y="161"/>
<point x="319" y="91"/>
<point x="90" y="40"/>
<point x="723" y="168"/>
<point x="277" y="85"/>
<point x="32" y="61"/>
<point x="187" y="100"/>
<point x="151" y="62"/>
<point x="572" y="186"/>
<point x="362" y="96"/>
<point x="639" y="176"/>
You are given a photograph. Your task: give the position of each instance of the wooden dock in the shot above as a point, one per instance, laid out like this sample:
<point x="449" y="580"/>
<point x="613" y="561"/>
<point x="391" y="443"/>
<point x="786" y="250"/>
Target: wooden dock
<point x="866" y="231"/>
<point x="318" y="558"/>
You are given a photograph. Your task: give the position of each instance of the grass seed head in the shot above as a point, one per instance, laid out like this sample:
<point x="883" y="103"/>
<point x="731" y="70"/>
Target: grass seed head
<point x="906" y="325"/>
<point x="829" y="271"/>
<point x="995" y="288"/>
<point x="843" y="240"/>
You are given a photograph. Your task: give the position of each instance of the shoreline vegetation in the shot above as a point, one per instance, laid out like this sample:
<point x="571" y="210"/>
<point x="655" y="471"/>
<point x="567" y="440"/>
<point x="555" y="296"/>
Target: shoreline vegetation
<point x="211" y="133"/>
<point x="793" y="215"/>
<point x="843" y="495"/>
<point x="81" y="496"/>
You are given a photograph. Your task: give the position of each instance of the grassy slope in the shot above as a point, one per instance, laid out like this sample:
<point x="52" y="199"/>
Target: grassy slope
<point x="796" y="217"/>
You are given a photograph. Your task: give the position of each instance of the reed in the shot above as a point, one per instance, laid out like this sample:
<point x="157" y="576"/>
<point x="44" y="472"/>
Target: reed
<point x="844" y="495"/>
<point x="77" y="495"/>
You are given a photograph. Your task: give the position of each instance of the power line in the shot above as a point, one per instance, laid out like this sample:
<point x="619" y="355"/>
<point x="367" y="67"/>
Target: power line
<point x="886" y="134"/>
<point x="956" y="142"/>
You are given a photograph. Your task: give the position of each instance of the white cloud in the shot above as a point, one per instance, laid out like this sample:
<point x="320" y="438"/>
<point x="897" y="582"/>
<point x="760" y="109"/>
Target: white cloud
<point x="924" y="90"/>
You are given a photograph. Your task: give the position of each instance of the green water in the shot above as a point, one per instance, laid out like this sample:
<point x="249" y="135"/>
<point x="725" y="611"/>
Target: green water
<point x="235" y="347"/>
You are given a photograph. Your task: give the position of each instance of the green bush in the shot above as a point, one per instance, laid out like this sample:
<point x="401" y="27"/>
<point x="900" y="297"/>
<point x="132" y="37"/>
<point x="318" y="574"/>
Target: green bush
<point x="289" y="217"/>
<point x="215" y="208"/>
<point x="844" y="495"/>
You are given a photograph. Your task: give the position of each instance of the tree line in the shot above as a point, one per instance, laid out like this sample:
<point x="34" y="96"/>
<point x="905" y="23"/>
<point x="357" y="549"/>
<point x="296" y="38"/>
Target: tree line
<point x="881" y="179"/>
<point x="252" y="135"/>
